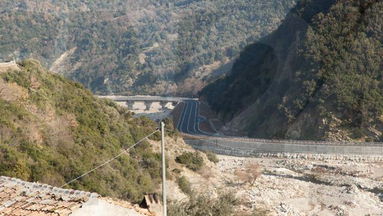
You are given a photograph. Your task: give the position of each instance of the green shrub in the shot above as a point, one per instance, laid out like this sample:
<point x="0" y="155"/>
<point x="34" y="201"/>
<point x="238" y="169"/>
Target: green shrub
<point x="193" y="161"/>
<point x="205" y="205"/>
<point x="357" y="133"/>
<point x="212" y="157"/>
<point x="184" y="185"/>
<point x="13" y="163"/>
<point x="176" y="171"/>
<point x="19" y="77"/>
<point x="259" y="212"/>
<point x="169" y="127"/>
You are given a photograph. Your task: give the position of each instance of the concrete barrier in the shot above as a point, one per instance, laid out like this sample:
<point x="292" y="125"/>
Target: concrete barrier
<point x="238" y="147"/>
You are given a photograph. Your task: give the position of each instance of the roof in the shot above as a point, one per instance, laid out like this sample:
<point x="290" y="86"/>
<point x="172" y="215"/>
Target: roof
<point x="20" y="198"/>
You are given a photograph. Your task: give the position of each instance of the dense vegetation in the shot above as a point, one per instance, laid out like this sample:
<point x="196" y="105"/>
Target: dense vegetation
<point x="193" y="161"/>
<point x="318" y="76"/>
<point x="145" y="46"/>
<point x="53" y="129"/>
<point x="224" y="204"/>
<point x="211" y="156"/>
<point x="184" y="185"/>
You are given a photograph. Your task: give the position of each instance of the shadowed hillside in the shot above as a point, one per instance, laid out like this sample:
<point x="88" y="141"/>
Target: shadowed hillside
<point x="318" y="76"/>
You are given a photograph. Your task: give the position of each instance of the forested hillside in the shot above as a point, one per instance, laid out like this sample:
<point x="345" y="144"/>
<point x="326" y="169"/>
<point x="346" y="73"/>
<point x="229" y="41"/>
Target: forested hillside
<point x="53" y="130"/>
<point x="318" y="76"/>
<point x="129" y="46"/>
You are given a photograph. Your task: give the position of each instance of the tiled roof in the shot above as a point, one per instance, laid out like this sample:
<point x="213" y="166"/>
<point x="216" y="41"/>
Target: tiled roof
<point x="20" y="198"/>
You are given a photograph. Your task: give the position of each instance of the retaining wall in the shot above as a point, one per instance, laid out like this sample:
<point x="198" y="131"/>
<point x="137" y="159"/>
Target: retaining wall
<point x="254" y="147"/>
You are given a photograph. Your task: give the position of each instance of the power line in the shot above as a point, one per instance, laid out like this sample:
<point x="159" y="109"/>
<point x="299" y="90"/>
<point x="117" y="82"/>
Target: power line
<point x="110" y="160"/>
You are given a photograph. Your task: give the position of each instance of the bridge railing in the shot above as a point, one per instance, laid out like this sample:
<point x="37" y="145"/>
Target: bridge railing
<point x="144" y="98"/>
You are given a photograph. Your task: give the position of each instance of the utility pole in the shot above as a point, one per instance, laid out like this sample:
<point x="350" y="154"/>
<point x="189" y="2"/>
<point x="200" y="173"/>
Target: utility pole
<point x="164" y="210"/>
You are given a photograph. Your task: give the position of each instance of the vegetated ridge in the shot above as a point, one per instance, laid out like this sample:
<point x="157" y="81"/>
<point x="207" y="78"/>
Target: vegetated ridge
<point x="53" y="130"/>
<point x="318" y="76"/>
<point x="136" y="47"/>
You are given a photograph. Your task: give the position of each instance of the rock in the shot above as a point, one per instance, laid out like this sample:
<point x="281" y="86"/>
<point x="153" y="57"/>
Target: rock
<point x="352" y="189"/>
<point x="283" y="207"/>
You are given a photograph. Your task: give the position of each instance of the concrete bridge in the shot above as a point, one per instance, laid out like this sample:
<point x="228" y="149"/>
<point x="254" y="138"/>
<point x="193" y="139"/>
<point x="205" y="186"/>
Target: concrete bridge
<point x="148" y="100"/>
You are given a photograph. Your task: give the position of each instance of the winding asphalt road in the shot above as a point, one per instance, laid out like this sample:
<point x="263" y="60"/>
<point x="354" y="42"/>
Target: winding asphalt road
<point x="188" y="122"/>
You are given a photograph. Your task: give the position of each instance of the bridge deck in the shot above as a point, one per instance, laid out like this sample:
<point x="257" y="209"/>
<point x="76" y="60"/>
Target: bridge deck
<point x="145" y="98"/>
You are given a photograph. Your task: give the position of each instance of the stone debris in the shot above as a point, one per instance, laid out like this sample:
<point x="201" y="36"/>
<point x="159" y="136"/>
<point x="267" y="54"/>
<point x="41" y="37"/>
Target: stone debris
<point x="292" y="185"/>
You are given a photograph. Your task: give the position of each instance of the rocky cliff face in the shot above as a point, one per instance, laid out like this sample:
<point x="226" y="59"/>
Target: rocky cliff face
<point x="318" y="76"/>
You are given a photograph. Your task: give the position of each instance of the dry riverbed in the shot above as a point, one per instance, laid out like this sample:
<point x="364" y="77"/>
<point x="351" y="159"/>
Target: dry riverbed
<point x="308" y="187"/>
<point x="288" y="186"/>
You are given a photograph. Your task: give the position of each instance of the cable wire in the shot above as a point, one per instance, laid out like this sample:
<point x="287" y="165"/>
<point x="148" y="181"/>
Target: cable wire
<point x="110" y="160"/>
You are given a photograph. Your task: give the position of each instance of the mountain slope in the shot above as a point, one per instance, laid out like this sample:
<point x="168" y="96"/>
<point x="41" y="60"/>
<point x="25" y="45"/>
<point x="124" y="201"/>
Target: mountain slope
<point x="147" y="46"/>
<point x="53" y="129"/>
<point x="318" y="76"/>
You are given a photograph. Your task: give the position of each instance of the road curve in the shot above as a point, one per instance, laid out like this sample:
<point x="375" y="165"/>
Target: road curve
<point x="188" y="124"/>
<point x="189" y="120"/>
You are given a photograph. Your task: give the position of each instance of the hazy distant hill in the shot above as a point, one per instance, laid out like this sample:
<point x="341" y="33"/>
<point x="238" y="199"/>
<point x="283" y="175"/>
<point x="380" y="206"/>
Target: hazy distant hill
<point x="130" y="46"/>
<point x="319" y="76"/>
<point x="53" y="129"/>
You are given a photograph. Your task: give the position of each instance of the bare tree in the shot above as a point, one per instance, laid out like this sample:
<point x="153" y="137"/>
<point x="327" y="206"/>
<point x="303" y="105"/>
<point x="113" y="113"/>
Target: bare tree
<point x="249" y="174"/>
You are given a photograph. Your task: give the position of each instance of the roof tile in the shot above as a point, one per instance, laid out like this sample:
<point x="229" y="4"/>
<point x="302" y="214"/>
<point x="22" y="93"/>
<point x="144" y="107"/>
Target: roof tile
<point x="19" y="198"/>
